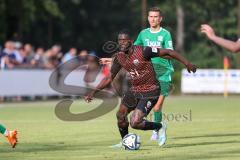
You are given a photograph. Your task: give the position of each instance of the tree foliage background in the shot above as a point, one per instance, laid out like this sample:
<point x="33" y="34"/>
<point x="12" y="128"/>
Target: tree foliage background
<point x="87" y="24"/>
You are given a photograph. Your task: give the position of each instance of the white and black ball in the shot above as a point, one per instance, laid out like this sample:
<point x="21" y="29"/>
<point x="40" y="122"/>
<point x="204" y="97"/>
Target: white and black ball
<point x="131" y="141"/>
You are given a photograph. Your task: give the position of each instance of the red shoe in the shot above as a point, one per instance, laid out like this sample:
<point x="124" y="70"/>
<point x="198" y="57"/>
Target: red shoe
<point x="12" y="138"/>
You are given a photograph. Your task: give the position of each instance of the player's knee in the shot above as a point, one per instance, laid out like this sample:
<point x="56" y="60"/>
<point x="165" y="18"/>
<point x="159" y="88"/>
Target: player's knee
<point x="134" y="123"/>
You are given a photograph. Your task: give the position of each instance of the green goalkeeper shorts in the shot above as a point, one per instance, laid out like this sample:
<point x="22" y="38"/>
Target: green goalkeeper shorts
<point x="165" y="88"/>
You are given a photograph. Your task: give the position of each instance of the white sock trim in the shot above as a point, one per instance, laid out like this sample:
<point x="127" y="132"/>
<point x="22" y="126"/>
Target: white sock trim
<point x="6" y="133"/>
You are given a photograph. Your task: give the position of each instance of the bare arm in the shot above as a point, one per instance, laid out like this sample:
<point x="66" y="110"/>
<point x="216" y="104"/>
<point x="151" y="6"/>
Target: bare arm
<point x="167" y="52"/>
<point x="228" y="44"/>
<point x="154" y="52"/>
<point x="171" y="53"/>
<point x="104" y="82"/>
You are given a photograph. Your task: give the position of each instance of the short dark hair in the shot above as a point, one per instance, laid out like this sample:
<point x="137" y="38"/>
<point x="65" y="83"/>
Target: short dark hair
<point x="154" y="9"/>
<point x="126" y="32"/>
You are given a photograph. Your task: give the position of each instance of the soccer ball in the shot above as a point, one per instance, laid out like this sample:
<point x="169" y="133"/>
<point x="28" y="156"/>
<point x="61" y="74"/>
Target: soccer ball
<point x="131" y="141"/>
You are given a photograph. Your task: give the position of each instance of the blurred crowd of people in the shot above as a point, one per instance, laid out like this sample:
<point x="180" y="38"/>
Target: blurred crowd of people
<point x="17" y="55"/>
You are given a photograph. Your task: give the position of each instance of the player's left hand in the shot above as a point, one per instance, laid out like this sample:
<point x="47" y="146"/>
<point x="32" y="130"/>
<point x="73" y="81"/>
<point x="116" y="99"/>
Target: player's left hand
<point x="191" y="68"/>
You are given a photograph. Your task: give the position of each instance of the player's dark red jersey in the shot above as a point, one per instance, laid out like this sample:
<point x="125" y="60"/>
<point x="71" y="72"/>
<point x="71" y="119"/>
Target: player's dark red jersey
<point x="140" y="70"/>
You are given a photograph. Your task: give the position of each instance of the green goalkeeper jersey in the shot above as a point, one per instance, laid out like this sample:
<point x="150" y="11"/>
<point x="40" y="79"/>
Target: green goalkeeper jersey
<point x="159" y="39"/>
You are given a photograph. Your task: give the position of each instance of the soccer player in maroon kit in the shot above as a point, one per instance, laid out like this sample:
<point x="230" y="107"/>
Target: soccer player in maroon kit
<point x="144" y="91"/>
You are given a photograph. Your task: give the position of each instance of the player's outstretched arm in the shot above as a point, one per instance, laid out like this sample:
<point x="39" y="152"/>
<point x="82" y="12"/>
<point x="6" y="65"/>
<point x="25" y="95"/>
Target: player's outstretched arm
<point x="149" y="53"/>
<point x="103" y="84"/>
<point x="167" y="52"/>
<point x="105" y="81"/>
<point x="229" y="45"/>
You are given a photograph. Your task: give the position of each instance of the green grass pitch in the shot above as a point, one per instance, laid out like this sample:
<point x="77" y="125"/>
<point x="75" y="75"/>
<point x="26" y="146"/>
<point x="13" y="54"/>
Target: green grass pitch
<point x="199" y="127"/>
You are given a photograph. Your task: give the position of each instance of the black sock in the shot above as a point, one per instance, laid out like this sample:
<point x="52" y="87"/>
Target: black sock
<point x="152" y="126"/>
<point x="123" y="131"/>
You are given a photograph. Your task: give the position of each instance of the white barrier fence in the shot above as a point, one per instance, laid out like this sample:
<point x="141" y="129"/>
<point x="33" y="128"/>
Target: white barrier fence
<point x="36" y="82"/>
<point x="211" y="81"/>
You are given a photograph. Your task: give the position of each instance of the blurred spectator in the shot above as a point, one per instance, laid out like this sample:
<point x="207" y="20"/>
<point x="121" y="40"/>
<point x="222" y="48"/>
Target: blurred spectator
<point x="49" y="60"/>
<point x="38" y="59"/>
<point x="29" y="52"/>
<point x="10" y="57"/>
<point x="52" y="57"/>
<point x="93" y="68"/>
<point x="56" y="49"/>
<point x="18" y="45"/>
<point x="69" y="55"/>
<point x="23" y="55"/>
<point x="82" y="56"/>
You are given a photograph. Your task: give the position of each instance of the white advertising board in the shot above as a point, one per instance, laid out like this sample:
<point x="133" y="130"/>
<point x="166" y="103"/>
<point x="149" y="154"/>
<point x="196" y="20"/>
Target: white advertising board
<point x="211" y="81"/>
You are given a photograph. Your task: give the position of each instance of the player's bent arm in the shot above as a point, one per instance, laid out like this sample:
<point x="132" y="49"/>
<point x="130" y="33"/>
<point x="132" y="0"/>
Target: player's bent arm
<point x="103" y="84"/>
<point x="108" y="79"/>
<point x="154" y="52"/>
<point x="163" y="53"/>
<point x="105" y="81"/>
<point x="179" y="57"/>
<point x="167" y="52"/>
<point x="167" y="57"/>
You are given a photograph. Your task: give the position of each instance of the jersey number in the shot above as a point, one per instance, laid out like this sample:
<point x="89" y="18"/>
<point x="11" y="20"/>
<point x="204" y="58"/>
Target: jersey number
<point x="134" y="73"/>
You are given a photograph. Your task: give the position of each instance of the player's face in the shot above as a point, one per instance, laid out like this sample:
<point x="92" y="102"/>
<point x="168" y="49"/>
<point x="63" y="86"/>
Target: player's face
<point x="154" y="19"/>
<point x="124" y="42"/>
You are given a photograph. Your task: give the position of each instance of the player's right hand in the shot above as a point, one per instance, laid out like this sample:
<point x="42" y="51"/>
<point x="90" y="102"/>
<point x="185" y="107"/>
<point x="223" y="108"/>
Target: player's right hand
<point x="88" y="98"/>
<point x="191" y="68"/>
